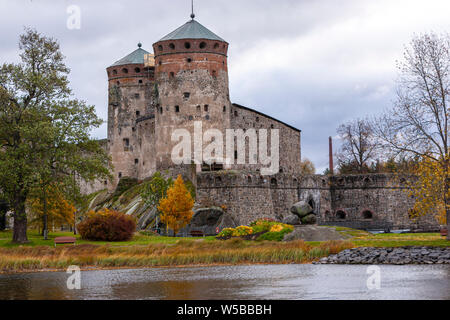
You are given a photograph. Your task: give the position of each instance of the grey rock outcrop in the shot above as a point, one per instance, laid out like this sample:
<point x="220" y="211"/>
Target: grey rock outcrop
<point x="146" y="218"/>
<point x="314" y="233"/>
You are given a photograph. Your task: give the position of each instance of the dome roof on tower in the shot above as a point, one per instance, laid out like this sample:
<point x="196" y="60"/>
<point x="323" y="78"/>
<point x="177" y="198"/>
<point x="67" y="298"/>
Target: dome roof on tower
<point x="136" y="57"/>
<point x="192" y="30"/>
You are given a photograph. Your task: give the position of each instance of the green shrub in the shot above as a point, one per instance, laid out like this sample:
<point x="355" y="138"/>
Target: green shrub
<point x="275" y="236"/>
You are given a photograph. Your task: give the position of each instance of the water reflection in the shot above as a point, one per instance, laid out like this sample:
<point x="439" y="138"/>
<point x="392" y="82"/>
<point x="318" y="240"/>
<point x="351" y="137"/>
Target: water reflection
<point x="235" y="282"/>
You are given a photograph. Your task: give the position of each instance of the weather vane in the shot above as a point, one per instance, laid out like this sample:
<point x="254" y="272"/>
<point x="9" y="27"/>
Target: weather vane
<point x="192" y="14"/>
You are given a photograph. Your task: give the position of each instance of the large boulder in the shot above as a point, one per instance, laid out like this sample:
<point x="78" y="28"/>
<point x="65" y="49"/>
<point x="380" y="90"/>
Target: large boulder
<point x="292" y="220"/>
<point x="208" y="220"/>
<point x="301" y="209"/>
<point x="309" y="219"/>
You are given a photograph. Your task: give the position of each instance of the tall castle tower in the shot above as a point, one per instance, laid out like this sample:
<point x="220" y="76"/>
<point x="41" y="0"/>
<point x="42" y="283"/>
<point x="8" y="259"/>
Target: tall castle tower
<point x="192" y="78"/>
<point x="131" y="116"/>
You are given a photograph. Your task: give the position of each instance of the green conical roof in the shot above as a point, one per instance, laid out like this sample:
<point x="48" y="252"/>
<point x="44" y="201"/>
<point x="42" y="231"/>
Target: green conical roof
<point x="192" y="30"/>
<point x="136" y="57"/>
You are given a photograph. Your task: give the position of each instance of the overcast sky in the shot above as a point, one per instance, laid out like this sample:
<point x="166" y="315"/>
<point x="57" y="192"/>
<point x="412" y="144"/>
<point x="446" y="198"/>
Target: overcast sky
<point x="312" y="64"/>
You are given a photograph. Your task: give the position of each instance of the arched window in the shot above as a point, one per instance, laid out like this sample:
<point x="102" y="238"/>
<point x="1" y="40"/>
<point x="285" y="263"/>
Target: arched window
<point x="189" y="60"/>
<point x="187" y="45"/>
<point x="249" y="180"/>
<point x="216" y="45"/>
<point x="367" y="214"/>
<point x="341" y="214"/>
<point x="202" y="45"/>
<point x="125" y="70"/>
<point x="160" y="48"/>
<point x="137" y="70"/>
<point x="177" y="108"/>
<point x="218" y="180"/>
<point x="172" y="46"/>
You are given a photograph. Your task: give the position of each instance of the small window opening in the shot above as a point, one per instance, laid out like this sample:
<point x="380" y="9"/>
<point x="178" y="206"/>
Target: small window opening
<point x="367" y="214"/>
<point x="137" y="70"/>
<point x="125" y="70"/>
<point x="177" y="108"/>
<point x="187" y="45"/>
<point x="206" y="108"/>
<point x="340" y="214"/>
<point x="172" y="46"/>
<point x="273" y="182"/>
<point x="202" y="45"/>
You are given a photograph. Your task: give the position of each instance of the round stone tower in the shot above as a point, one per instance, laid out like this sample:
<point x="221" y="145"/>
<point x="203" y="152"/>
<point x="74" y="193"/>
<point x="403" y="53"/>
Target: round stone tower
<point x="130" y="106"/>
<point x="192" y="78"/>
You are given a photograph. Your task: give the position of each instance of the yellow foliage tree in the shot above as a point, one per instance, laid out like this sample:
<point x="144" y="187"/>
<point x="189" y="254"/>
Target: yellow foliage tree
<point x="176" y="207"/>
<point x="429" y="190"/>
<point x="59" y="210"/>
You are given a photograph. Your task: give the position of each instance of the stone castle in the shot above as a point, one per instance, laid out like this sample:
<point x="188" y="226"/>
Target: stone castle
<point x="185" y="82"/>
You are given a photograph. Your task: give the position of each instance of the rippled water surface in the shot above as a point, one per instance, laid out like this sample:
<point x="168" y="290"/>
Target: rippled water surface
<point x="236" y="282"/>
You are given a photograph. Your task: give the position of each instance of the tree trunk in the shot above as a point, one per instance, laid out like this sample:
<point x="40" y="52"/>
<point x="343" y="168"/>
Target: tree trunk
<point x="45" y="217"/>
<point x="20" y="220"/>
<point x="447" y="206"/>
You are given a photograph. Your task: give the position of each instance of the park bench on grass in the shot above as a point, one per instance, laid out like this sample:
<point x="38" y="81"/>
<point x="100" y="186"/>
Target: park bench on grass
<point x="63" y="240"/>
<point x="196" y="233"/>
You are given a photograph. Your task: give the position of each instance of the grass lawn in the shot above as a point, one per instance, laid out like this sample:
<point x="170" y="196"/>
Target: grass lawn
<point x="37" y="240"/>
<point x="365" y="239"/>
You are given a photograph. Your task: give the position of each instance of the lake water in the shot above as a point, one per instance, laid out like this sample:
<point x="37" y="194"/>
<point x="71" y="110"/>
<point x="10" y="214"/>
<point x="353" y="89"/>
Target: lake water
<point x="290" y="282"/>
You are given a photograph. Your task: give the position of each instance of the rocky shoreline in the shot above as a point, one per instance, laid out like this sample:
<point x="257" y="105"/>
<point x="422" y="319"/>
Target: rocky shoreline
<point x="396" y="256"/>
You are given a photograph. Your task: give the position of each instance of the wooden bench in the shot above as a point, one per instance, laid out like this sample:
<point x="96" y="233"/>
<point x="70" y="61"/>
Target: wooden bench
<point x="197" y="234"/>
<point x="64" y="240"/>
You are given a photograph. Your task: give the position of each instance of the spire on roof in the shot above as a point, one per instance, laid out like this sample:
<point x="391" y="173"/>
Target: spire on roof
<point x="192" y="14"/>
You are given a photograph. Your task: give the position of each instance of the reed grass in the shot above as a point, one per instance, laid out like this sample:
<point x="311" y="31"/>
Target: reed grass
<point x="182" y="253"/>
